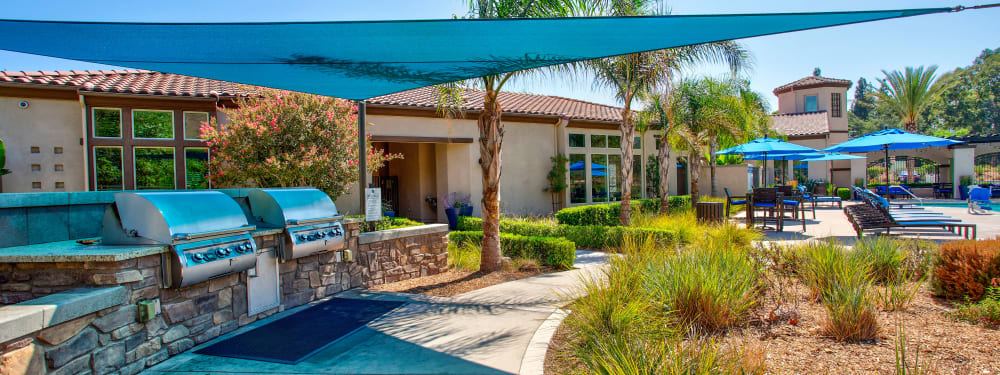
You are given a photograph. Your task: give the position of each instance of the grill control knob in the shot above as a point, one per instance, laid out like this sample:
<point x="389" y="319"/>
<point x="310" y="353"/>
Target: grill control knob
<point x="198" y="257"/>
<point x="220" y="252"/>
<point x="332" y="233"/>
<point x="302" y="237"/>
<point x="321" y="235"/>
<point x="246" y="247"/>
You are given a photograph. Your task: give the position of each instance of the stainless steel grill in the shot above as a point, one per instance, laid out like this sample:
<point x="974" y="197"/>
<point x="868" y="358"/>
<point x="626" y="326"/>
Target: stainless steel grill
<point x="207" y="232"/>
<point x="310" y="218"/>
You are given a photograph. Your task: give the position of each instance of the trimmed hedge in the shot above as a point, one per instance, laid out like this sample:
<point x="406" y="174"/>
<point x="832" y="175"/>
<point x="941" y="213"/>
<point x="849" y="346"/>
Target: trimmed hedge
<point x="584" y="236"/>
<point x="550" y="251"/>
<point x="844" y="194"/>
<point x="607" y="214"/>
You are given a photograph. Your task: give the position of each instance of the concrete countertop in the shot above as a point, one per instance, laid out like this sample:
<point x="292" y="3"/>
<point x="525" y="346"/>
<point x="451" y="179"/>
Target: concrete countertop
<point x="71" y="251"/>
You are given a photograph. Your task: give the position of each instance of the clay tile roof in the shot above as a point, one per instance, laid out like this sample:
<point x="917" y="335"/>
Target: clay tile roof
<point x="812" y="82"/>
<point x="518" y="103"/>
<point x="145" y="82"/>
<point x="806" y="123"/>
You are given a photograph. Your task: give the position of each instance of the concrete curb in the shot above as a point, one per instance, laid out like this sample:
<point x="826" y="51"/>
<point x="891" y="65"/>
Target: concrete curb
<point x="533" y="361"/>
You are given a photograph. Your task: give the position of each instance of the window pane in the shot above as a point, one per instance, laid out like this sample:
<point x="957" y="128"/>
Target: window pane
<point x="107" y="122"/>
<point x="801" y="171"/>
<point x="598" y="178"/>
<point x="636" y="177"/>
<point x="835" y="106"/>
<point x="812" y="105"/>
<point x="637" y="143"/>
<point x="154" y="168"/>
<point x="614" y="177"/>
<point x="577" y="140"/>
<point x="614" y="141"/>
<point x="577" y="178"/>
<point x="196" y="167"/>
<point x="192" y="124"/>
<point x="153" y="124"/>
<point x="108" y="168"/>
<point x="598" y="141"/>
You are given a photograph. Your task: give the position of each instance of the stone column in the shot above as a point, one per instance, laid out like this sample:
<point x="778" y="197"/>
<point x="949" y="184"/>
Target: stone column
<point x="962" y="164"/>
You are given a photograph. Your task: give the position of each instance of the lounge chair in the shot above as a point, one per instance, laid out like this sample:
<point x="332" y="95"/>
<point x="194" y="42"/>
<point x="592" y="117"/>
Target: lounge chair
<point x="874" y="214"/>
<point x="820" y="199"/>
<point x="979" y="200"/>
<point x="733" y="201"/>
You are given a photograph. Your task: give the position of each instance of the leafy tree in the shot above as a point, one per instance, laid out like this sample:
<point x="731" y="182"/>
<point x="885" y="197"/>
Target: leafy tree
<point x="451" y="99"/>
<point x="634" y="75"/>
<point x="906" y="94"/>
<point x="864" y="100"/>
<point x="971" y="99"/>
<point x="286" y="139"/>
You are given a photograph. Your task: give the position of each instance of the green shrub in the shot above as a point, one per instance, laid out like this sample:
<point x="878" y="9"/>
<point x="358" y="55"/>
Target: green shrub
<point x="550" y="251"/>
<point x="850" y="305"/>
<point x="985" y="312"/>
<point x="821" y="264"/>
<point x="884" y="257"/>
<point x="844" y="194"/>
<point x="584" y="236"/>
<point x="388" y="223"/>
<point x="464" y="257"/>
<point x="710" y="289"/>
<point x="608" y="214"/>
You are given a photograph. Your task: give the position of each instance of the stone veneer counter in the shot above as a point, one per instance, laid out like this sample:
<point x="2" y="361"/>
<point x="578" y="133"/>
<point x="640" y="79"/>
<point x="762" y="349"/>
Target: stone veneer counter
<point x="72" y="251"/>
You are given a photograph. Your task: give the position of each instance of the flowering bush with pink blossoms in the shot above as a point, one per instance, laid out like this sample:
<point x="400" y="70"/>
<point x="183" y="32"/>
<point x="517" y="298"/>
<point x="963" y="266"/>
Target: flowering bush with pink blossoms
<point x="287" y="139"/>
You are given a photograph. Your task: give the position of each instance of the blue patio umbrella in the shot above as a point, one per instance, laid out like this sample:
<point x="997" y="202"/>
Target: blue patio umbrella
<point x="761" y="147"/>
<point x="890" y="139"/>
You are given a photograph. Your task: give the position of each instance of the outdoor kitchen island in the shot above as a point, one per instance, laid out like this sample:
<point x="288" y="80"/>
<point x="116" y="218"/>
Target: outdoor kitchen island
<point x="67" y="307"/>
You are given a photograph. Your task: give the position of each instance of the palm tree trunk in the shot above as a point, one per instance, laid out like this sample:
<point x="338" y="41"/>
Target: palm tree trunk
<point x="694" y="166"/>
<point x="490" y="144"/>
<point x="663" y="159"/>
<point x="712" y="146"/>
<point x="910" y="161"/>
<point x="628" y="139"/>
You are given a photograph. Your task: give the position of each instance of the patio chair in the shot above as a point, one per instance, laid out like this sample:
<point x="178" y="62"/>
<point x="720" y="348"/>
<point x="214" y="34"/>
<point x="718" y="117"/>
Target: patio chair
<point x="765" y="199"/>
<point x="979" y="200"/>
<point x="794" y="203"/>
<point x="943" y="190"/>
<point x="732" y="201"/>
<point x="820" y="199"/>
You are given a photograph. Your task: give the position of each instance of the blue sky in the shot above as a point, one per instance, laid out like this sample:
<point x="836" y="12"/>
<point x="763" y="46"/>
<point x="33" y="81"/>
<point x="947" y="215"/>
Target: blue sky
<point x="849" y="52"/>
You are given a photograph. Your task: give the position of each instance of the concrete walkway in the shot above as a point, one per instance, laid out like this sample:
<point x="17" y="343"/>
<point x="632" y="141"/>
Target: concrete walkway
<point x="501" y="329"/>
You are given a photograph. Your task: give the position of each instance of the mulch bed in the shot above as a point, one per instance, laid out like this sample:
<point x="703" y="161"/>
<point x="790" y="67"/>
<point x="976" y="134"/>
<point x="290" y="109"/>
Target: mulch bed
<point x="452" y="282"/>
<point x="946" y="346"/>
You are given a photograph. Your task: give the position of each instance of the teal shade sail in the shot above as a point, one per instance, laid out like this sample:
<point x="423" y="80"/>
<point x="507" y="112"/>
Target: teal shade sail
<point x="364" y="59"/>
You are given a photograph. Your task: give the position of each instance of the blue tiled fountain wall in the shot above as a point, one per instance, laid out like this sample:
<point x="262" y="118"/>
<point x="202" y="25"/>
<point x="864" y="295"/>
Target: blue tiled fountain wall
<point x="31" y="218"/>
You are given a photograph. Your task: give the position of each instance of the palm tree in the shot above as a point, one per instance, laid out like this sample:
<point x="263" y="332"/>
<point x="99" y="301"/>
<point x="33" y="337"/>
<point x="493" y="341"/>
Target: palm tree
<point x="660" y="115"/>
<point x="451" y="98"/>
<point x="706" y="110"/>
<point x="637" y="74"/>
<point x="906" y="94"/>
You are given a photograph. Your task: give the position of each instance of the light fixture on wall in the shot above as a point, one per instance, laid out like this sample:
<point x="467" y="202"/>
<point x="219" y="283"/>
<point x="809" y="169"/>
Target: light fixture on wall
<point x="22" y="104"/>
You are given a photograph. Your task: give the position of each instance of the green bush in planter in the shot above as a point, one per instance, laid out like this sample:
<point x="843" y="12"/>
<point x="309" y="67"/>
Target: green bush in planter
<point x="601" y="237"/>
<point x="550" y="251"/>
<point x="844" y="194"/>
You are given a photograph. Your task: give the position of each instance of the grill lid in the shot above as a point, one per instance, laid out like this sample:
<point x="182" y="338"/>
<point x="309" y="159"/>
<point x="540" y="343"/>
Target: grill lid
<point x="167" y="217"/>
<point x="292" y="206"/>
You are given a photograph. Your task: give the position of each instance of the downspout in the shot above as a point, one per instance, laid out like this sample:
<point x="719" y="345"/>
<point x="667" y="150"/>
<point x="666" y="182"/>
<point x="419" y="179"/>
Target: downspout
<point x="362" y="156"/>
<point x="84" y="142"/>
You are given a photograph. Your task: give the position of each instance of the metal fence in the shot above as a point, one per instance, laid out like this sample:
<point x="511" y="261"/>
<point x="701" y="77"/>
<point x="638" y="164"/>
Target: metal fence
<point x="987" y="167"/>
<point x="924" y="171"/>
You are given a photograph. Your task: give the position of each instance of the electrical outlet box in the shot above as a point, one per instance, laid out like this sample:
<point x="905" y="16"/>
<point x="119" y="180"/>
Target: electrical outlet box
<point x="348" y="256"/>
<point x="147" y="310"/>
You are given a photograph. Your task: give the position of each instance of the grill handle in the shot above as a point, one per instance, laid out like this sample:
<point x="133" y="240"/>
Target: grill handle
<point x="188" y="236"/>
<point x="316" y="220"/>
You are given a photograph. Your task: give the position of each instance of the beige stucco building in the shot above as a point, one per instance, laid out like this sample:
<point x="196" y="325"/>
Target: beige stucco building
<point x="812" y="112"/>
<point x="106" y="130"/>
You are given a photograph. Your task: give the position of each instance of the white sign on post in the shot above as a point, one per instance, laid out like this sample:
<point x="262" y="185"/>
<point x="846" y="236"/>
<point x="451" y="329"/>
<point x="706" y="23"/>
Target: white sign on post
<point x="373" y="204"/>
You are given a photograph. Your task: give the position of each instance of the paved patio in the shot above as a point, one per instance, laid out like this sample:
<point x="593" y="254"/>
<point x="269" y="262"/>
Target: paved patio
<point x="495" y="330"/>
<point x="831" y="223"/>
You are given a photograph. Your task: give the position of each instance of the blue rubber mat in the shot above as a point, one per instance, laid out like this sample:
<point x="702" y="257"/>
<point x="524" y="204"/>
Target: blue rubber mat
<point x="294" y="338"/>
